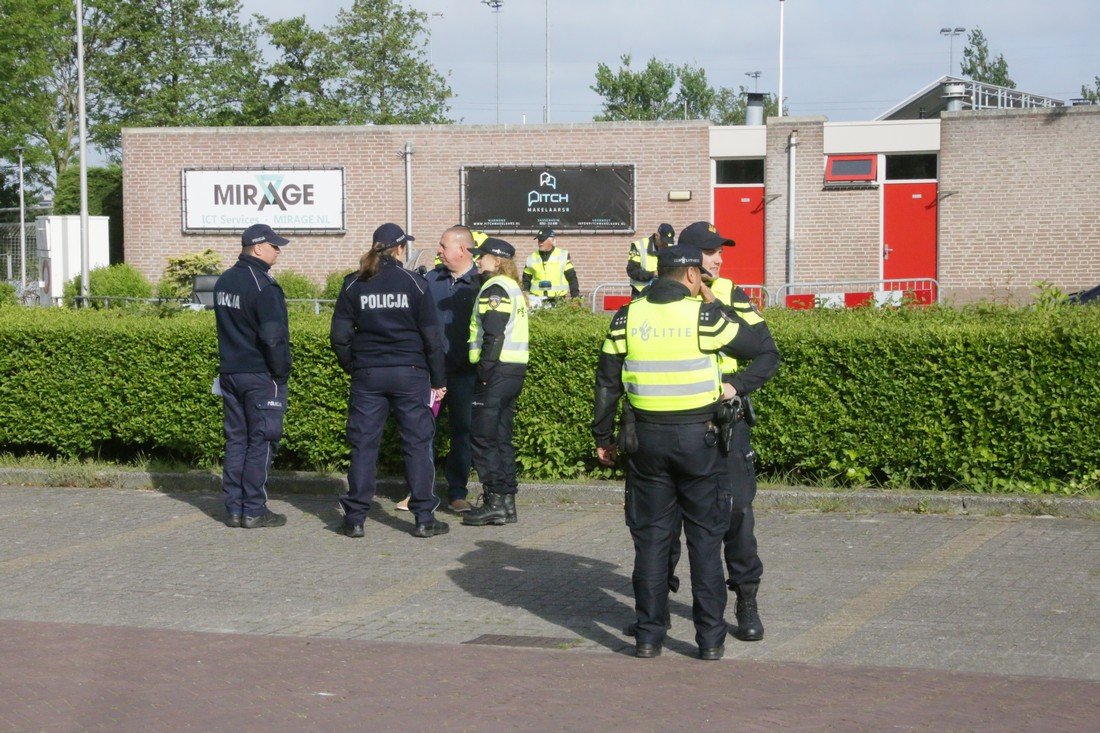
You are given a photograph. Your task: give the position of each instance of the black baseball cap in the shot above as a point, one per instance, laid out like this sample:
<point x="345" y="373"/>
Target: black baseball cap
<point x="545" y="234"/>
<point x="703" y="235"/>
<point x="494" y="246"/>
<point x="680" y="255"/>
<point x="259" y="233"/>
<point x="666" y="233"/>
<point x="390" y="235"/>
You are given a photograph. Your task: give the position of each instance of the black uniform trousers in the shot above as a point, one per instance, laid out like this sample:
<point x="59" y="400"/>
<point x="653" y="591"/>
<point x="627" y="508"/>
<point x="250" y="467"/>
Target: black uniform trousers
<point x="674" y="476"/>
<point x="253" y="405"/>
<point x="743" y="564"/>
<point x="494" y="412"/>
<point x="375" y="392"/>
<point x="458" y="404"/>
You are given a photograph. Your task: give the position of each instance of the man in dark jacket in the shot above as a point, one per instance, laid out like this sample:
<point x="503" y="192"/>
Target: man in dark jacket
<point x="254" y="350"/>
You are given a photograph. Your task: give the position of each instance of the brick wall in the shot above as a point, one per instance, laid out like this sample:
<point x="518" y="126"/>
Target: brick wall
<point x="836" y="233"/>
<point x="667" y="156"/>
<point x="1020" y="202"/>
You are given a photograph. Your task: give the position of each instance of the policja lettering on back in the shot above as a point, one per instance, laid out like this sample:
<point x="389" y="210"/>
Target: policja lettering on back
<point x="673" y="383"/>
<point x="383" y="300"/>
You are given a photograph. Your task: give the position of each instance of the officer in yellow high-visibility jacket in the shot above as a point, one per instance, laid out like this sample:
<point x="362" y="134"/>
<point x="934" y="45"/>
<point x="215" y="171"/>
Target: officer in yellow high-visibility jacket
<point x="641" y="262"/>
<point x="662" y="350"/>
<point x="498" y="350"/>
<point x="549" y="272"/>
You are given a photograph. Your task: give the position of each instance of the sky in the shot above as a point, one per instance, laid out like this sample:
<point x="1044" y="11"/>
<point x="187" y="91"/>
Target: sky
<point x="844" y="59"/>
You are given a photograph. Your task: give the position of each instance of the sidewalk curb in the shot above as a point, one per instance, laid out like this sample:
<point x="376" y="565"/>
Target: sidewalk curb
<point x="605" y="492"/>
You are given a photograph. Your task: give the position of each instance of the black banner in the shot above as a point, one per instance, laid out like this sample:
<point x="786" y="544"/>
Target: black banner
<point x="568" y="198"/>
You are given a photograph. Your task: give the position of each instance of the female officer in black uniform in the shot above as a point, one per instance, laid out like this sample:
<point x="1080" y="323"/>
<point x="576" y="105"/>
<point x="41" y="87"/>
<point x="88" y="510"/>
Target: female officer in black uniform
<point x="498" y="348"/>
<point x="387" y="336"/>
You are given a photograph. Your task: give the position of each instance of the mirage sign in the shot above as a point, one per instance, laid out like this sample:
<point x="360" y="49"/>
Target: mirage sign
<point x="288" y="199"/>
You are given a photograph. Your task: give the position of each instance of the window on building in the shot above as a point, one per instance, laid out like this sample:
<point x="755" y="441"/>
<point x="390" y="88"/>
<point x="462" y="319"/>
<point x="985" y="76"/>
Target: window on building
<point x="921" y="166"/>
<point x="739" y="172"/>
<point x="849" y="169"/>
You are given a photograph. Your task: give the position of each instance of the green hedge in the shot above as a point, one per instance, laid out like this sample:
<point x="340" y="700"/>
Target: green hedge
<point x="990" y="399"/>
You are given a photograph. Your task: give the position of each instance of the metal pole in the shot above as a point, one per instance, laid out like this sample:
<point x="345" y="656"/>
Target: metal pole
<point x="497" y="13"/>
<point x="85" y="255"/>
<point x="22" y="228"/>
<point x="431" y="56"/>
<point x="780" y="113"/>
<point x="792" y="149"/>
<point x="546" y="111"/>
<point x="409" y="193"/>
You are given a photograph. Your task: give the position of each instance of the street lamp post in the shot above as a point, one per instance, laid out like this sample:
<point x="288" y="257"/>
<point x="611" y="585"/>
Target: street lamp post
<point x="755" y="76"/>
<point x="22" y="226"/>
<point x="780" y="113"/>
<point x="496" y="5"/>
<point x="951" y="33"/>
<point x="546" y="111"/>
<point x="85" y="255"/>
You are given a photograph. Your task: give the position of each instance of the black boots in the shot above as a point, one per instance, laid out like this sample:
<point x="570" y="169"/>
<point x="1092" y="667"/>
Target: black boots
<point x="749" y="626"/>
<point x="494" y="509"/>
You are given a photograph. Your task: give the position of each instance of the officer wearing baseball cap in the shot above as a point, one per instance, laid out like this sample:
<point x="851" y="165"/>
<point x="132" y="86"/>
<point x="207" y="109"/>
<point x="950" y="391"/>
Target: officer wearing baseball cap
<point x="498" y="351"/>
<point x="641" y="262"/>
<point x="743" y="564"/>
<point x="662" y="351"/>
<point x="387" y="336"/>
<point x="549" y="273"/>
<point x="255" y="362"/>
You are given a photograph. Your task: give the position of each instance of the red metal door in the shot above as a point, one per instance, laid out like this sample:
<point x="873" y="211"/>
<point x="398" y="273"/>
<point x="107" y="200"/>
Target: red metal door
<point x="908" y="231"/>
<point x="739" y="215"/>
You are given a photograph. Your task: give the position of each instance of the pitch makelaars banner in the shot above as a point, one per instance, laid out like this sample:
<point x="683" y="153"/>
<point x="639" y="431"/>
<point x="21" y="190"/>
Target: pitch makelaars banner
<point x="568" y="198"/>
<point x="288" y="200"/>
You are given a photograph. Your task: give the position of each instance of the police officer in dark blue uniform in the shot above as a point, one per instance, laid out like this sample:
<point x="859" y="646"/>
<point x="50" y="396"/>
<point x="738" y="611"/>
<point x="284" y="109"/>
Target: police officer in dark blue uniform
<point x="386" y="335"/>
<point x="254" y="351"/>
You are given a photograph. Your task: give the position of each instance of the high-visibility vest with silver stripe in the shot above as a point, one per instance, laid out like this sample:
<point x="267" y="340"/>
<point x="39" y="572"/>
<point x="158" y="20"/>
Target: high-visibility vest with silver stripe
<point x="723" y="291"/>
<point x="552" y="271"/>
<point x="647" y="261"/>
<point x="665" y="370"/>
<point x="516" y="333"/>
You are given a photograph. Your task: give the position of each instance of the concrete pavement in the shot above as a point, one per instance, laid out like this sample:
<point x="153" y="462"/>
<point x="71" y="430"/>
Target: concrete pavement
<point x="138" y="610"/>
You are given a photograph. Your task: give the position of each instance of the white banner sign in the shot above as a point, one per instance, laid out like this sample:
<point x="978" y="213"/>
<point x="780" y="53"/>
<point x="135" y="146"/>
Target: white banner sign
<point x="287" y="200"/>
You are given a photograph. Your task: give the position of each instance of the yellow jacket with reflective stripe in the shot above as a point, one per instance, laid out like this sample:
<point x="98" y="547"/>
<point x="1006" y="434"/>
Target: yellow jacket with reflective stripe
<point x="665" y="368"/>
<point x="516" y="334"/>
<point x="723" y="290"/>
<point x="639" y="252"/>
<point x="552" y="271"/>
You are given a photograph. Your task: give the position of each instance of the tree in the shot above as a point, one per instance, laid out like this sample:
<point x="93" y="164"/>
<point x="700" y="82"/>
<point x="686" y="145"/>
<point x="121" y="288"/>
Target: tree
<point x="301" y="82"/>
<point x="384" y="77"/>
<point x="980" y="66"/>
<point x="174" y="63"/>
<point x="38" y="97"/>
<point x="648" y="94"/>
<point x="1091" y="94"/>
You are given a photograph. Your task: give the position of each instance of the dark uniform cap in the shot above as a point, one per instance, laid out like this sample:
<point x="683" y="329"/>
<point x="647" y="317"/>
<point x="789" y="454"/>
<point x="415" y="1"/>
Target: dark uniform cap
<point x="703" y="235"/>
<point x="258" y="233"/>
<point x="494" y="246"/>
<point x="666" y="233"/>
<point x="680" y="255"/>
<point x="390" y="235"/>
<point x="545" y="234"/>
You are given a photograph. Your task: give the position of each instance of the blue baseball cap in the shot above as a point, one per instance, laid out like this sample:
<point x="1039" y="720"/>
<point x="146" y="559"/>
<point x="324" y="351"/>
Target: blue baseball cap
<point x="390" y="235"/>
<point x="259" y="233"/>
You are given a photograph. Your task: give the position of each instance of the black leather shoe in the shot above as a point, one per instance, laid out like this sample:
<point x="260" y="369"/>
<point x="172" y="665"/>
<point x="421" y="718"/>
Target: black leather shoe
<point x="431" y="529"/>
<point x="267" y="519"/>
<point x="353" y="530"/>
<point x="491" y="511"/>
<point x="712" y="654"/>
<point x="510" y="516"/>
<point x="749" y="626"/>
<point x="233" y="520"/>
<point x="642" y="650"/>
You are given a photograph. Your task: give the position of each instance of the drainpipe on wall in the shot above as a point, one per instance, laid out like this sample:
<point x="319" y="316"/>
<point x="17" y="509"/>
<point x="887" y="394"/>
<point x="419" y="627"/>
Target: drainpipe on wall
<point x="408" y="155"/>
<point x="792" y="147"/>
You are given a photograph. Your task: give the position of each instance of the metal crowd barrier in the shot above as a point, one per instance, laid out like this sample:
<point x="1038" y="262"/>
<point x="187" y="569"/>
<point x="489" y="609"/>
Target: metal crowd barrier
<point x="611" y="296"/>
<point x="855" y="293"/>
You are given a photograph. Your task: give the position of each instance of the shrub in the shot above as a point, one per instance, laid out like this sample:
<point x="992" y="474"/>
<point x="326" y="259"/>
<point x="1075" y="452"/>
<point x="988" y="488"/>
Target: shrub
<point x="119" y="280"/>
<point x="297" y="286"/>
<point x="7" y="294"/>
<point x="334" y="283"/>
<point x="989" y="398"/>
<point x="179" y="276"/>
